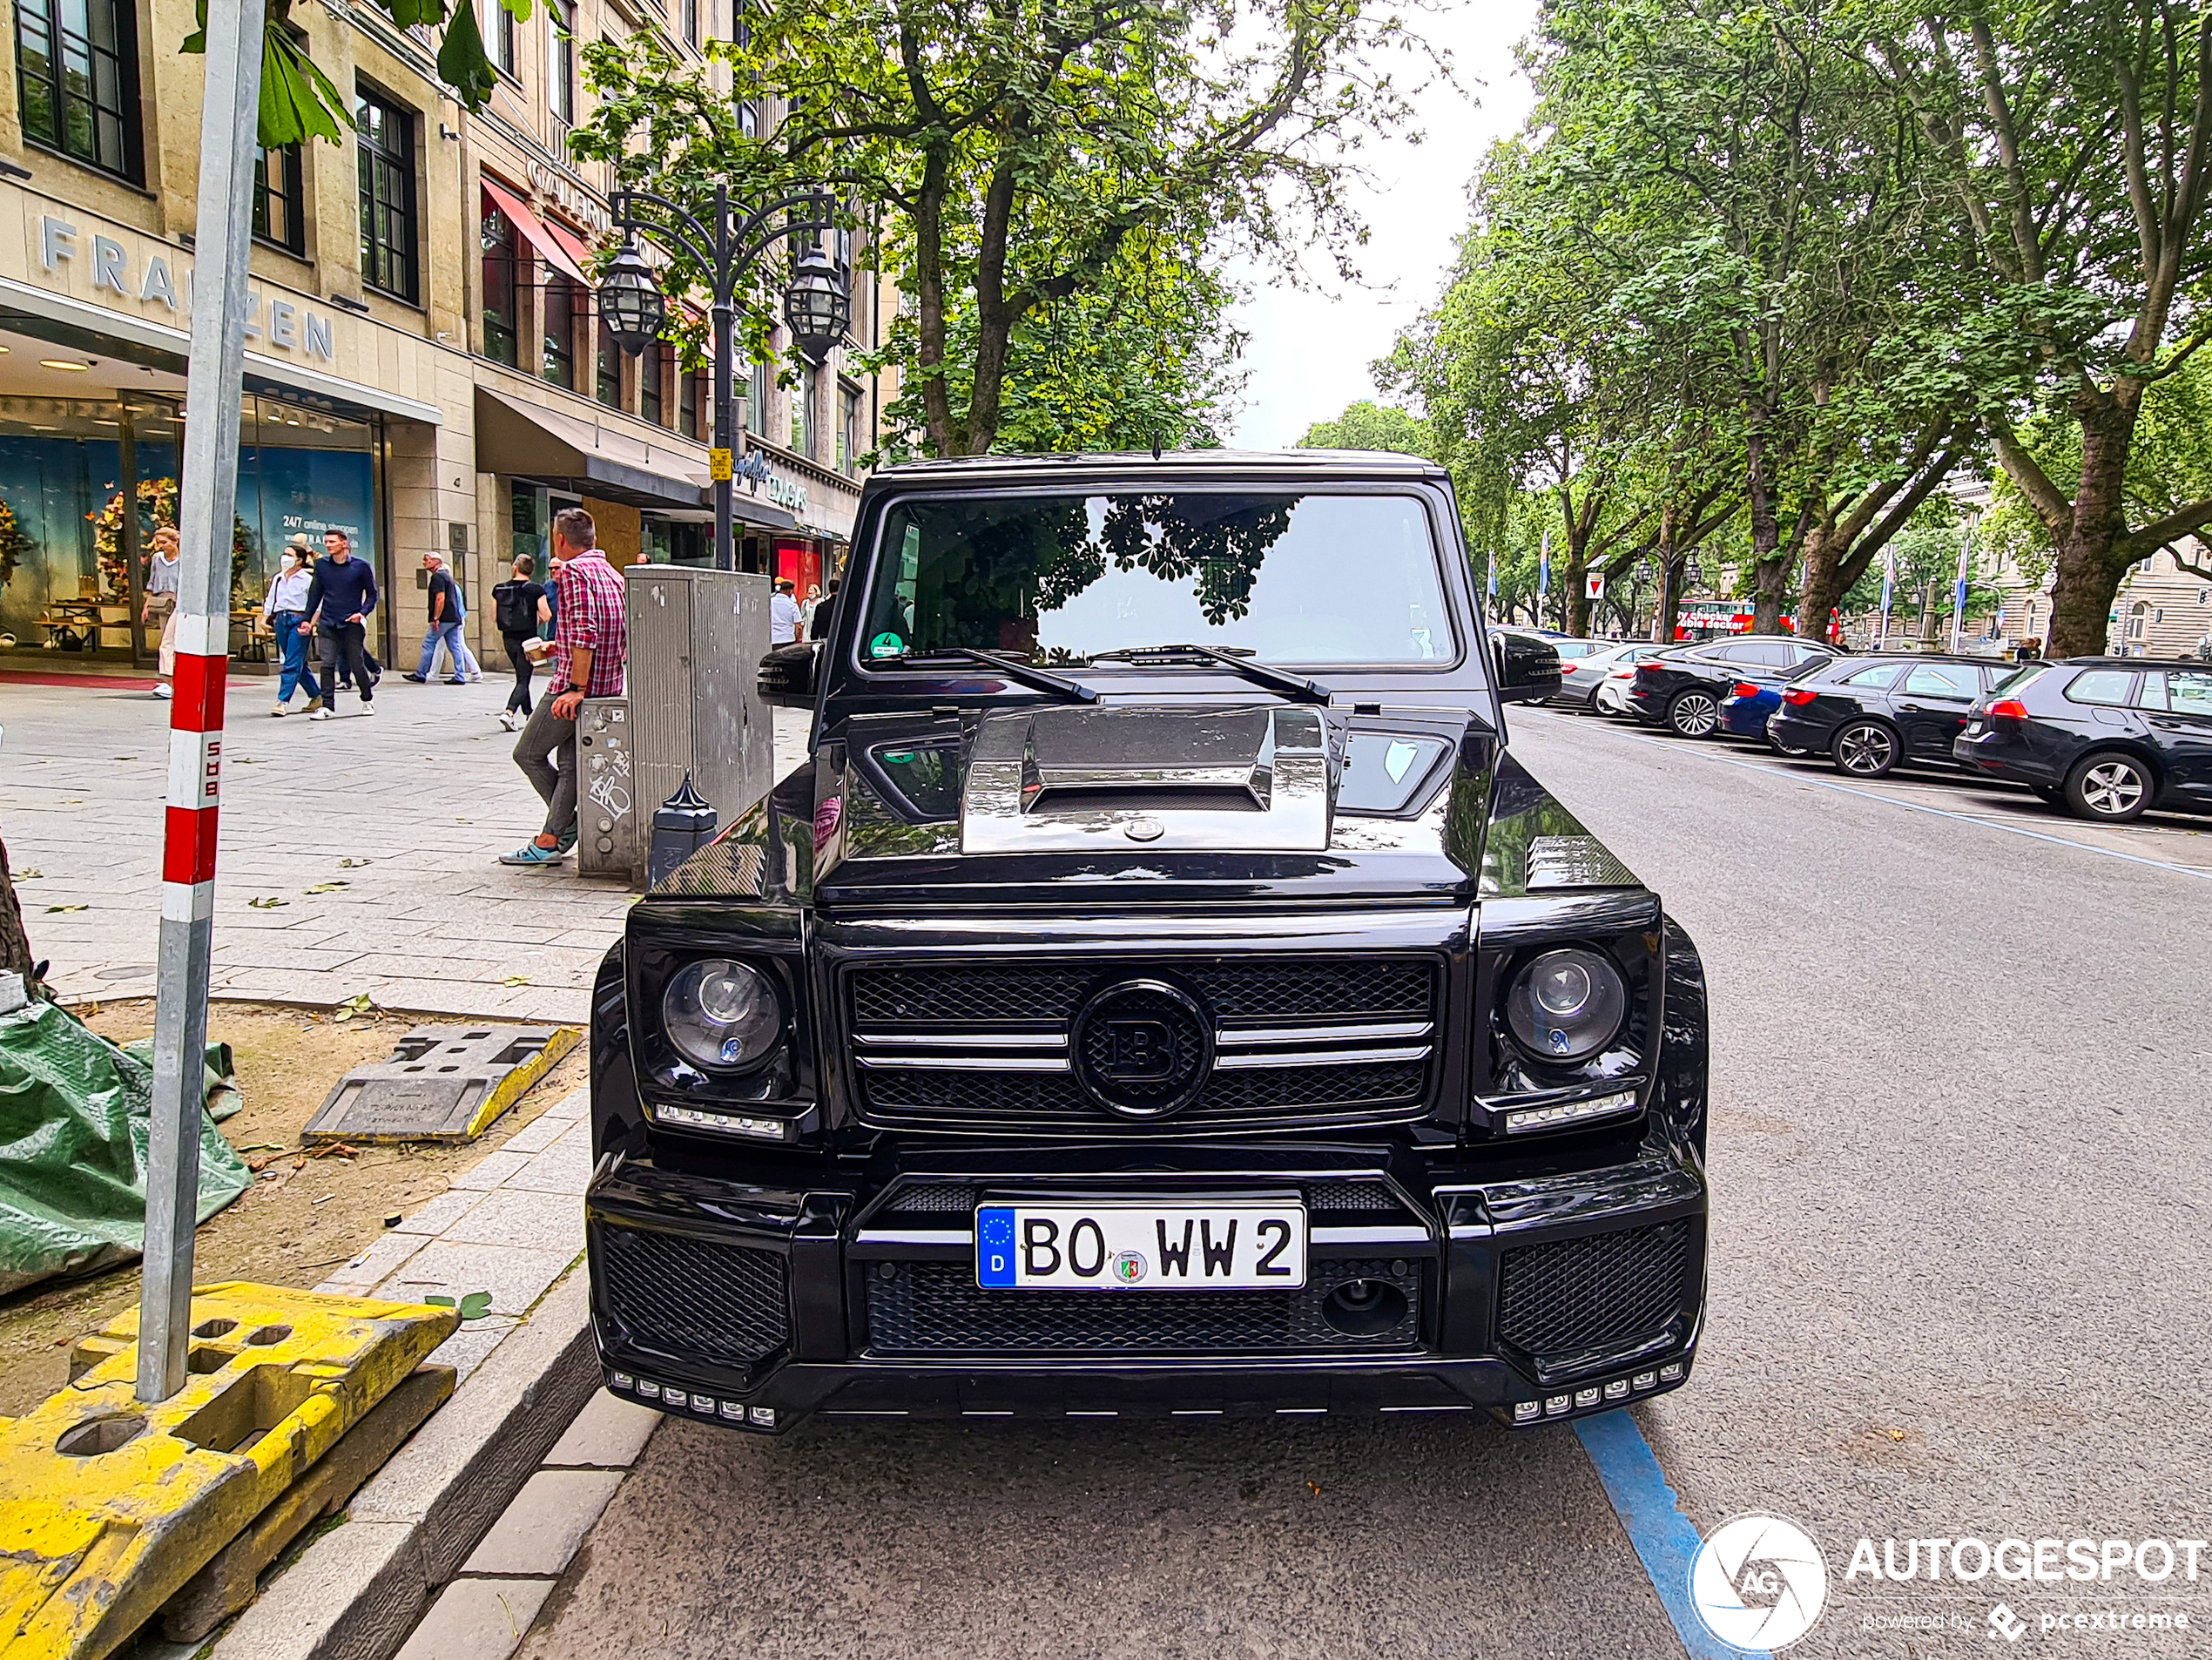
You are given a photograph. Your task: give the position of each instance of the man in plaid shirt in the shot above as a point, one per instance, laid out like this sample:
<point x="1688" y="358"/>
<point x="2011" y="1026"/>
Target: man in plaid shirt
<point x="591" y="644"/>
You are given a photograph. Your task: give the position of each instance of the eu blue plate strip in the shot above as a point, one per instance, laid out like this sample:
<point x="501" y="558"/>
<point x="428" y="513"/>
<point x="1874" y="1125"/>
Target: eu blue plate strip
<point x="1665" y="1542"/>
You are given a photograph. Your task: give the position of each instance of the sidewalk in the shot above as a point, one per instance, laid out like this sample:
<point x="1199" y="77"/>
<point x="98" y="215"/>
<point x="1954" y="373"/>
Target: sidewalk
<point x="423" y="797"/>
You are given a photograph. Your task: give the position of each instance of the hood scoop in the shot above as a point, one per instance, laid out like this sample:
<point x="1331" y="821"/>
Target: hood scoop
<point x="1115" y="779"/>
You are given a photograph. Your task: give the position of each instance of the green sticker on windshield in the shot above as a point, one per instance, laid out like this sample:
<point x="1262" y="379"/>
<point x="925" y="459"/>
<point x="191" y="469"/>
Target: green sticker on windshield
<point x="886" y="645"/>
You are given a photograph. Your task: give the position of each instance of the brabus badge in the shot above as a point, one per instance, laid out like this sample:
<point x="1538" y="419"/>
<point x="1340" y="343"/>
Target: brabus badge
<point x="1142" y="829"/>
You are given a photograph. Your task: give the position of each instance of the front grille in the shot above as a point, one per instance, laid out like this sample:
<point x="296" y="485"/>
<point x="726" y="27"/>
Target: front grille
<point x="953" y="1043"/>
<point x="1596" y="1292"/>
<point x="932" y="1203"/>
<point x="937" y="1308"/>
<point x="684" y="1297"/>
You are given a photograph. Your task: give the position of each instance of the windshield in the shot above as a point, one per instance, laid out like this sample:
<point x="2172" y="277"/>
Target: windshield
<point x="1311" y="580"/>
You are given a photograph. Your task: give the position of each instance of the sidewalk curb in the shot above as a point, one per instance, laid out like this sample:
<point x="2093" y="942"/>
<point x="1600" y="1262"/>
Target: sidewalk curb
<point x="358" y="1591"/>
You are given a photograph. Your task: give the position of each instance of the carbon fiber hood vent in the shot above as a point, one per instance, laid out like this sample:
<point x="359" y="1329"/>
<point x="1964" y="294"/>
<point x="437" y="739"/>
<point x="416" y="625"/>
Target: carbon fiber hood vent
<point x="1243" y="779"/>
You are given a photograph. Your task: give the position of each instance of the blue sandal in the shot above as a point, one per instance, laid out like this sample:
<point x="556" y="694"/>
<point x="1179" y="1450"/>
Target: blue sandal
<point x="531" y="854"/>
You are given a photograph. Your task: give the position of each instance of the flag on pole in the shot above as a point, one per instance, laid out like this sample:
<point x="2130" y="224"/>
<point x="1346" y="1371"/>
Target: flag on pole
<point x="1959" y="591"/>
<point x="1543" y="577"/>
<point x="1493" y="573"/>
<point x="1889" y="587"/>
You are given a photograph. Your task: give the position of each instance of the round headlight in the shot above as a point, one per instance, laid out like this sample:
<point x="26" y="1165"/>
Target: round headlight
<point x="722" y="1015"/>
<point x="1566" y="1005"/>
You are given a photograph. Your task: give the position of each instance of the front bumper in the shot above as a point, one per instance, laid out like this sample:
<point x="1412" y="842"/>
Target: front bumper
<point x="1534" y="1296"/>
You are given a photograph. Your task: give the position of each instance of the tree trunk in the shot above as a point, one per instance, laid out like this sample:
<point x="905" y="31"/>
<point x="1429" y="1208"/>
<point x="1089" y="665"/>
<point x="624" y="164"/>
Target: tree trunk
<point x="2081" y="599"/>
<point x="1766" y="529"/>
<point x="1670" y="563"/>
<point x="2088" y="570"/>
<point x="15" y="945"/>
<point x="1823" y="586"/>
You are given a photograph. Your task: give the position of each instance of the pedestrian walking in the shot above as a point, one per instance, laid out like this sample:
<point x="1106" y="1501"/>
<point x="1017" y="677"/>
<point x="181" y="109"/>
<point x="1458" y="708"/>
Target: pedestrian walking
<point x="464" y="661"/>
<point x="165" y="571"/>
<point x="341" y="597"/>
<point x="783" y="613"/>
<point x="445" y="623"/>
<point x="517" y="605"/>
<point x="591" y="646"/>
<point x="283" y="609"/>
<point x="824" y="617"/>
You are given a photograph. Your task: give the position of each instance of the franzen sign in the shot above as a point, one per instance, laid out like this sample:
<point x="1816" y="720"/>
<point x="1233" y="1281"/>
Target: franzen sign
<point x="287" y="325"/>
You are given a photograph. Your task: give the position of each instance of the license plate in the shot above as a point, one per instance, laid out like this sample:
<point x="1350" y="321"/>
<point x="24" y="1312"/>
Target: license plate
<point x="1112" y="1246"/>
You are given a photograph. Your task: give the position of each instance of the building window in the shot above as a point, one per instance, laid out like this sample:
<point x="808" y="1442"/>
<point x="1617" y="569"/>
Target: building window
<point x="280" y="199"/>
<point x="756" y="400"/>
<point x="687" y="406"/>
<point x="560" y="62"/>
<point x="692" y="23"/>
<point x="77" y="70"/>
<point x="563" y="305"/>
<point x="609" y="388"/>
<point x="502" y="291"/>
<point x="749" y="118"/>
<point x="805" y="437"/>
<point x="650" y="367"/>
<point x="384" y="138"/>
<point x="506" y="47"/>
<point x="848" y="428"/>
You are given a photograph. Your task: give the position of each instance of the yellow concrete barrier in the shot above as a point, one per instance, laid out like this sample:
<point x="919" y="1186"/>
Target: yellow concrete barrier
<point x="108" y="1504"/>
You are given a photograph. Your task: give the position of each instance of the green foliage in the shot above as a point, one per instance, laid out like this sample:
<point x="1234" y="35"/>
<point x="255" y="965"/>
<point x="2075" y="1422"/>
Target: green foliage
<point x="1025" y="156"/>
<point x="1368" y="425"/>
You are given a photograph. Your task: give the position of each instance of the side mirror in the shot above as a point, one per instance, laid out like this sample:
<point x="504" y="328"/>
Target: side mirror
<point x="787" y="677"/>
<point x="1527" y="667"/>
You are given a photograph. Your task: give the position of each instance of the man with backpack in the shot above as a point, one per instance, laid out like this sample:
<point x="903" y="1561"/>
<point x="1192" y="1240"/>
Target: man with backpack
<point x="519" y="608"/>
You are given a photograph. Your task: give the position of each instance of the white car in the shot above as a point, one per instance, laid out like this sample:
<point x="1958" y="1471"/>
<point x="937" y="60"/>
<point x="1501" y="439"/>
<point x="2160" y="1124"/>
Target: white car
<point x="1583" y="675"/>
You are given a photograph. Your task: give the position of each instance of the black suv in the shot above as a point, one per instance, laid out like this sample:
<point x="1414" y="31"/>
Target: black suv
<point x="2105" y="738"/>
<point x="1683" y="688"/>
<point x="1159" y="992"/>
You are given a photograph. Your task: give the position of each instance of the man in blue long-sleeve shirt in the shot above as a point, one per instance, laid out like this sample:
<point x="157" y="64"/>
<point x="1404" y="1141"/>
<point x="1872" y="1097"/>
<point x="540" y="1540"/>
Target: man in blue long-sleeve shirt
<point x="339" y="598"/>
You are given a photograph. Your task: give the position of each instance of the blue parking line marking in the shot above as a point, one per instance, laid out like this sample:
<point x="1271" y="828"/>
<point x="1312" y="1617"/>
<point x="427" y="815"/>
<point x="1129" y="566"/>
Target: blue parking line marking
<point x="1940" y="813"/>
<point x="1665" y="1541"/>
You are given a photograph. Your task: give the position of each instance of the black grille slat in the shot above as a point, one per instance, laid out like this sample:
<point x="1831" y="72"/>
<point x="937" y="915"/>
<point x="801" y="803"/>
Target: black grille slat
<point x="693" y="1297"/>
<point x="1346" y="989"/>
<point x="1603" y="1289"/>
<point x="939" y="995"/>
<point x="1352" y="1195"/>
<point x="937" y="1308"/>
<point x="1025" y="1097"/>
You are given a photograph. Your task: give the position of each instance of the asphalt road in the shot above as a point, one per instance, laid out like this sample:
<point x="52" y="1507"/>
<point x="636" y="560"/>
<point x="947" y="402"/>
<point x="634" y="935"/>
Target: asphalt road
<point x="1961" y="1151"/>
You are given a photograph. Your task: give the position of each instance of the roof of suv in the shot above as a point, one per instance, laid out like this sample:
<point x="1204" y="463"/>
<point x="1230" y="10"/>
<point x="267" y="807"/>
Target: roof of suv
<point x="1173" y="465"/>
<point x="2127" y="663"/>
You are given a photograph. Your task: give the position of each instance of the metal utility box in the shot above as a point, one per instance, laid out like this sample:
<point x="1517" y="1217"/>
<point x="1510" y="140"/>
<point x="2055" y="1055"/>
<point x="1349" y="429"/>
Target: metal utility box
<point x="608" y="842"/>
<point x="696" y="640"/>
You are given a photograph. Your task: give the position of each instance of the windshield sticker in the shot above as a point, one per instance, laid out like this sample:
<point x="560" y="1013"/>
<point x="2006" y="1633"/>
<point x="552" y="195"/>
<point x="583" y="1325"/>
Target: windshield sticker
<point x="886" y="645"/>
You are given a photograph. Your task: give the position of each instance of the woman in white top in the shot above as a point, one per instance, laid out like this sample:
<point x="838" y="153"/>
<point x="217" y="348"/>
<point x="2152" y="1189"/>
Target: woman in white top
<point x="164" y="572"/>
<point x="282" y="610"/>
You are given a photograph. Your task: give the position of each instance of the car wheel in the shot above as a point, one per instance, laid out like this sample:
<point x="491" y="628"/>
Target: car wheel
<point x="1794" y="751"/>
<point x="1693" y="714"/>
<point x="1866" y="749"/>
<point x="2108" y="787"/>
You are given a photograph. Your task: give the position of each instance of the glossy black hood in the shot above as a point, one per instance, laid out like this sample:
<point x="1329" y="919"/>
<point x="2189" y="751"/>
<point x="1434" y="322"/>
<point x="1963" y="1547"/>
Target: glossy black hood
<point x="1055" y="806"/>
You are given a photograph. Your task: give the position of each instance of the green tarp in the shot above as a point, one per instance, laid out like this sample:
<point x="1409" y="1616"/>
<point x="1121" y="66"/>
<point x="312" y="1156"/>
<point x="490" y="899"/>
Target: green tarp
<point x="73" y="1128"/>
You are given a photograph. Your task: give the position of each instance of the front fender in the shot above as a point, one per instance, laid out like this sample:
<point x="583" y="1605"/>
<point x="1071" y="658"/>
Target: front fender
<point x="1683" y="1081"/>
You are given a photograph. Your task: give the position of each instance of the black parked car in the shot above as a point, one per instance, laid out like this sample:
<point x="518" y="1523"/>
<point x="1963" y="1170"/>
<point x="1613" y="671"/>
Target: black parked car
<point x="1870" y="714"/>
<point x="1683" y="688"/>
<point x="1160" y="991"/>
<point x="2105" y="737"/>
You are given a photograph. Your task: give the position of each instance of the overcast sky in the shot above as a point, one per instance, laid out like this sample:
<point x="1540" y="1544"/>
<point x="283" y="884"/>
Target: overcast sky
<point x="1310" y="349"/>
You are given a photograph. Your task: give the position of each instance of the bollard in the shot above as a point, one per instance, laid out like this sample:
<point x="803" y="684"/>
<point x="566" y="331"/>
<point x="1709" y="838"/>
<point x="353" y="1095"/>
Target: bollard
<point x="682" y="825"/>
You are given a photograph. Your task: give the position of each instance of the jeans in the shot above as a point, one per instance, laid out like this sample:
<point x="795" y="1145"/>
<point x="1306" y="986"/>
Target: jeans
<point x="343" y="644"/>
<point x="518" y="701"/>
<point x="546" y="753"/>
<point x="293" y="646"/>
<point x="447" y="634"/>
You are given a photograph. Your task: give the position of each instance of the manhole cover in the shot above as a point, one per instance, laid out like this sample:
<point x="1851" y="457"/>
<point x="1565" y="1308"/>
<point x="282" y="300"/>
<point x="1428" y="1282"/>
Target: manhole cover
<point x="442" y="1084"/>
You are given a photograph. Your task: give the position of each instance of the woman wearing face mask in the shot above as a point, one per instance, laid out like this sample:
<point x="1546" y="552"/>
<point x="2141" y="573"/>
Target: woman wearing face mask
<point x="282" y="611"/>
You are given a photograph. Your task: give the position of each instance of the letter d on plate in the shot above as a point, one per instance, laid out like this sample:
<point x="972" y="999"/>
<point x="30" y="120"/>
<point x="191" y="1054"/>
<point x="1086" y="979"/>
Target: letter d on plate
<point x="995" y="1246"/>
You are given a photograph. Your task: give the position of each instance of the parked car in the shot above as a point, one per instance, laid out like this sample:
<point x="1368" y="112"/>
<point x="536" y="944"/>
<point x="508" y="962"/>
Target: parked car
<point x="1096" y="1022"/>
<point x="2105" y="737"/>
<point x="1870" y="714"/>
<point x="1752" y="700"/>
<point x="1581" y="673"/>
<point x="1682" y="689"/>
<point x="1611" y="695"/>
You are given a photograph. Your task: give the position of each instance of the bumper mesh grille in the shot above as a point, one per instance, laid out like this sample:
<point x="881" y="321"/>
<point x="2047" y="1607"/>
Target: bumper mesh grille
<point x="686" y="1297"/>
<point x="1596" y="1292"/>
<point x="1027" y="1097"/>
<point x="935" y="994"/>
<point x="937" y="1308"/>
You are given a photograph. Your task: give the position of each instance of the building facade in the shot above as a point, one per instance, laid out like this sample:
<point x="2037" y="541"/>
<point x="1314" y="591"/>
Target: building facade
<point x="425" y="367"/>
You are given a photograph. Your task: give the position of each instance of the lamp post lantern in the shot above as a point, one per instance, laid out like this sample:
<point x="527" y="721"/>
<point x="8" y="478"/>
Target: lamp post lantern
<point x="816" y="304"/>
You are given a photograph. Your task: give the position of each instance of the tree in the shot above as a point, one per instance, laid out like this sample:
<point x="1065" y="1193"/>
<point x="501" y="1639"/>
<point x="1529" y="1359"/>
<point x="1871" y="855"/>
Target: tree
<point x="1019" y="147"/>
<point x="1368" y="425"/>
<point x="2070" y="143"/>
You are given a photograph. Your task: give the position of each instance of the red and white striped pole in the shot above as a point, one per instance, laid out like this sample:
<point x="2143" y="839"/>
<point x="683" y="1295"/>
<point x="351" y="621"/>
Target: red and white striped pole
<point x="207" y="500"/>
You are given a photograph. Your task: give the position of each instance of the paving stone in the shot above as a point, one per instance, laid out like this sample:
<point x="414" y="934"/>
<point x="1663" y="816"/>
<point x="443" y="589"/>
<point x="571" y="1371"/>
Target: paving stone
<point x="441" y="1212"/>
<point x="515" y="1275"/>
<point x="379" y="1261"/>
<point x="609" y="1434"/>
<point x="478" y="1619"/>
<point x="511" y="1216"/>
<point x="473" y="1344"/>
<point x="565" y="1167"/>
<point x="535" y="1136"/>
<point x="493" y="1168"/>
<point x="546" y="1523"/>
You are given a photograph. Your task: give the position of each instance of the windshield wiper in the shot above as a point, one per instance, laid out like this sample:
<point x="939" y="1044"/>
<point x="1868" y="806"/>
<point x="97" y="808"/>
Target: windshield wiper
<point x="1295" y="686"/>
<point x="1037" y="679"/>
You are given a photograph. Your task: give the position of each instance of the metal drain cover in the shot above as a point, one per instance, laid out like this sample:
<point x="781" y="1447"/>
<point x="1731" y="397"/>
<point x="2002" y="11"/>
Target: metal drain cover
<point x="442" y="1084"/>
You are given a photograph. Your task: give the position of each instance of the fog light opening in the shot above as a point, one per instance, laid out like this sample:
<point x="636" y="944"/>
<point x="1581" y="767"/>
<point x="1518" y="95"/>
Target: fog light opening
<point x="1364" y="1308"/>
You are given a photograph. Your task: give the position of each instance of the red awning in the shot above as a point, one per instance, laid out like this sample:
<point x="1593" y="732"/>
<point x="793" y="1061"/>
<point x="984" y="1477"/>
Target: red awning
<point x="534" y="230"/>
<point x="569" y="243"/>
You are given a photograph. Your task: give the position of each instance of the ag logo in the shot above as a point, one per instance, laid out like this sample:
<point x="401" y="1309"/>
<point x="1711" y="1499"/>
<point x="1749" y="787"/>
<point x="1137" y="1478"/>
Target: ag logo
<point x="1758" y="1582"/>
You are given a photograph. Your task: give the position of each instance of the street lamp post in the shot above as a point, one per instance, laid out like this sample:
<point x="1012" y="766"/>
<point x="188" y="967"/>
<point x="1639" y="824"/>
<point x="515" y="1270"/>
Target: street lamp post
<point x="816" y="305"/>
